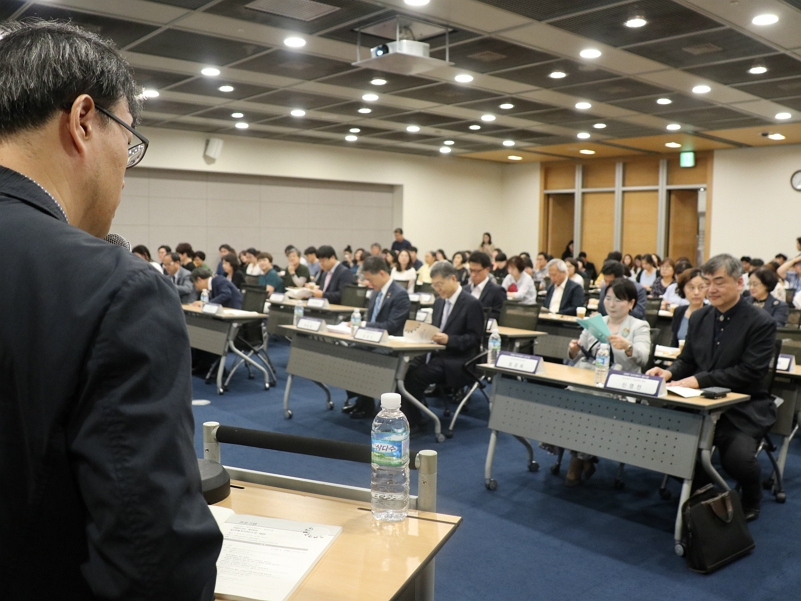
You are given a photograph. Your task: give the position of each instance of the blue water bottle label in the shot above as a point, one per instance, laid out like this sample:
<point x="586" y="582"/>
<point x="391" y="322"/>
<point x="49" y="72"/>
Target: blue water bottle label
<point x="388" y="451"/>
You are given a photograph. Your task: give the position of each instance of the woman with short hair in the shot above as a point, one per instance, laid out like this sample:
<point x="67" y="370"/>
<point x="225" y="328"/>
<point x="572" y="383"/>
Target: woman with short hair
<point x="518" y="284"/>
<point x="761" y="283"/>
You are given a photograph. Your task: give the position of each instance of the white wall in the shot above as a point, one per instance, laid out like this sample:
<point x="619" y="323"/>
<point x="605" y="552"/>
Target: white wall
<point x="446" y="202"/>
<point x="755" y="212"/>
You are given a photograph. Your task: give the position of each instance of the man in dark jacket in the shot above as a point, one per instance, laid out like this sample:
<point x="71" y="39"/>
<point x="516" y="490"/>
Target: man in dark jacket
<point x="564" y="296"/>
<point x="333" y="276"/>
<point x="221" y="290"/>
<point x="101" y="493"/>
<point x="730" y="344"/>
<point x="482" y="286"/>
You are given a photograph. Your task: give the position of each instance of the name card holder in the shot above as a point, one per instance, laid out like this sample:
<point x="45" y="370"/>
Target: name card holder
<point x="375" y="335"/>
<point x="426" y="298"/>
<point x="311" y="324"/>
<point x="785" y="363"/>
<point x="317" y="303"/>
<point x="527" y="364"/>
<point x="490" y="324"/>
<point x="621" y="381"/>
<point x="414" y="298"/>
<point x="277" y="297"/>
<point x="211" y="309"/>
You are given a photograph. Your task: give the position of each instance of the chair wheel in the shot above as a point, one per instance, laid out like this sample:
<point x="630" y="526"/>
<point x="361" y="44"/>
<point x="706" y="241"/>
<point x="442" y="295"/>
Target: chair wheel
<point x="330" y="405"/>
<point x="448" y="433"/>
<point x="491" y="484"/>
<point x="781" y="497"/>
<point x="220" y="390"/>
<point x="619" y="484"/>
<point x="533" y="466"/>
<point x="555" y="469"/>
<point x="266" y="386"/>
<point x="679" y="549"/>
<point x="665" y="493"/>
<point x="288" y="414"/>
<point x="440" y="437"/>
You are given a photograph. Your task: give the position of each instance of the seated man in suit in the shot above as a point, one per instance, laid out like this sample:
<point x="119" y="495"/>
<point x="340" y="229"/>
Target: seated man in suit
<point x="388" y="310"/>
<point x="221" y="290"/>
<point x="564" y="296"/>
<point x="613" y="270"/>
<point x="730" y="343"/>
<point x="333" y="275"/>
<point x="460" y="319"/>
<point x="179" y="277"/>
<point x="482" y="286"/>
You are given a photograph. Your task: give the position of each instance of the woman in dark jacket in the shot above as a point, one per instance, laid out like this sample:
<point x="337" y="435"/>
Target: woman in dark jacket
<point x="761" y="283"/>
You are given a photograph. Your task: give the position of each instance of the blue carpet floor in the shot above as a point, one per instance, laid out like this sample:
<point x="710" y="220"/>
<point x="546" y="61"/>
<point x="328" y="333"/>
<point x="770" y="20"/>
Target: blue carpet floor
<point x="531" y="539"/>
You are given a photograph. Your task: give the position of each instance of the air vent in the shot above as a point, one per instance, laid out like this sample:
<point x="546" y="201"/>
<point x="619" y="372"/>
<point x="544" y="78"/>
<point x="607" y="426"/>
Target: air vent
<point x="302" y="10"/>
<point x="295" y="66"/>
<point x="487" y="56"/>
<point x="790" y="86"/>
<point x="616" y="90"/>
<point x="702" y="49"/>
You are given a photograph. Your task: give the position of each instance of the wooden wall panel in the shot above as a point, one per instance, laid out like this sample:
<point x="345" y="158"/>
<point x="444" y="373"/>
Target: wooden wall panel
<point x="598" y="225"/>
<point x="559" y="176"/>
<point x="599" y="175"/>
<point x="687" y="176"/>
<point x="683" y="224"/>
<point x="641" y="173"/>
<point x="561" y="209"/>
<point x="640" y="214"/>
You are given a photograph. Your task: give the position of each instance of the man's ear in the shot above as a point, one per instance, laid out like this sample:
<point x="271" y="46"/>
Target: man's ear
<point x="81" y="122"/>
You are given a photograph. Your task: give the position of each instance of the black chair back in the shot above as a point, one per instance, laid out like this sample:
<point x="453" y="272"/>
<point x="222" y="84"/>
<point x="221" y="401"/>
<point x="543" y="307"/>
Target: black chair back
<point x="788" y="334"/>
<point x="253" y="298"/>
<point x="251" y="280"/>
<point x="515" y="315"/>
<point x="794" y="319"/>
<point x="546" y="282"/>
<point x="354" y="295"/>
<point x="769" y="377"/>
<point x="655" y="333"/>
<point x="789" y="294"/>
<point x="587" y="283"/>
<point x="792" y="347"/>
<point x="652" y="306"/>
<point x="414" y="307"/>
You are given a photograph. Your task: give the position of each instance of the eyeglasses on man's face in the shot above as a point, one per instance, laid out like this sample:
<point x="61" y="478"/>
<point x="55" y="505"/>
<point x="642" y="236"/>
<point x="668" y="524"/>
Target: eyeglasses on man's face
<point x="137" y="147"/>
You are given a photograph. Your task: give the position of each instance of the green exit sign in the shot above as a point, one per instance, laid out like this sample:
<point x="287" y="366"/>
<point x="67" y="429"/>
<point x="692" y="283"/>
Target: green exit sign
<point x="686" y="159"/>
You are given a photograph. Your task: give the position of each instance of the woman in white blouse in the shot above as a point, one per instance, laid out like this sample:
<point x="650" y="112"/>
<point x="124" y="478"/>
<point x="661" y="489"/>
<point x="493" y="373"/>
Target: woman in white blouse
<point x="403" y="272"/>
<point x="572" y="271"/>
<point x="518" y="284"/>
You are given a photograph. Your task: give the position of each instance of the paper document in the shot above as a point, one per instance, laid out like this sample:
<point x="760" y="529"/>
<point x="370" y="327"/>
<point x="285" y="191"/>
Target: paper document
<point x="682" y="391"/>
<point x="417" y="331"/>
<point x="266" y="559"/>
<point x="239" y="313"/>
<point x="298" y="293"/>
<point x="340" y="328"/>
<point x="596" y="326"/>
<point x="667" y="350"/>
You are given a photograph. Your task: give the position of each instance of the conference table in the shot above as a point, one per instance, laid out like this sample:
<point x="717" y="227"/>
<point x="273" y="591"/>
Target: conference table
<point x="653" y="436"/>
<point x="282" y="313"/>
<point x="369" y="560"/>
<point x="216" y="333"/>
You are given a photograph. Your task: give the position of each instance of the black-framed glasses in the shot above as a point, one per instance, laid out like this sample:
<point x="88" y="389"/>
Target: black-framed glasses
<point x="138" y="145"/>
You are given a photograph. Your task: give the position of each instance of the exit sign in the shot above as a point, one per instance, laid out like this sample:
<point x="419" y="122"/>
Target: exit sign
<point x="686" y="159"/>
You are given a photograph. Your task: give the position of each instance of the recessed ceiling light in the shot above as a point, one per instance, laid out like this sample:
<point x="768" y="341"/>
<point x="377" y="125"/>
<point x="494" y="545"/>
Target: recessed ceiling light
<point x="488" y="117"/>
<point x="378" y="81"/>
<point x="445" y="149"/>
<point x="766" y="19"/>
<point x="758" y="70"/>
<point x="364" y="111"/>
<point x="241" y="125"/>
<point x="557" y="74"/>
<point x="416" y="2"/>
<point x="412" y="128"/>
<point x="673" y="145"/>
<point x="448" y="142"/>
<point x="295" y="42"/>
<point x="464" y="78"/>
<point x="351" y="138"/>
<point x="226" y="88"/>
<point x="673" y="126"/>
<point x="508" y="142"/>
<point x="475" y="127"/>
<point x="150" y="93"/>
<point x="370" y="97"/>
<point x="702" y="89"/>
<point x="210" y="72"/>
<point x="298" y="113"/>
<point x="514" y="157"/>
<point x="582" y="135"/>
<point x="600" y="126"/>
<point x="585" y="151"/>
<point x="776" y="137"/>
<point x="783" y="116"/>
<point x="507" y="105"/>
<point x="354" y="130"/>
<point x="237" y="115"/>
<point x="664" y="101"/>
<point x="590" y="53"/>
<point x="583" y="106"/>
<point x="635" y="22"/>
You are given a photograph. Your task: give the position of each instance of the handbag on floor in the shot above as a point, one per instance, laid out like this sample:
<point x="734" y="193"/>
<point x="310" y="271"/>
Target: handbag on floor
<point x="715" y="529"/>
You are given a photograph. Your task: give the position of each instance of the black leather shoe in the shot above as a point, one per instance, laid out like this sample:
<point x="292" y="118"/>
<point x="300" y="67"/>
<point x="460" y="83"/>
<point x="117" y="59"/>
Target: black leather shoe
<point x="348" y="407"/>
<point x="361" y="413"/>
<point x="751" y="514"/>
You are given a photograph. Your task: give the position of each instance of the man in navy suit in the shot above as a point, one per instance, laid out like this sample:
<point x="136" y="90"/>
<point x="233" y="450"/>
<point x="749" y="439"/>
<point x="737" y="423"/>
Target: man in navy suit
<point x="460" y="319"/>
<point x="221" y="291"/>
<point x="388" y="310"/>
<point x="333" y="276"/>
<point x="482" y="286"/>
<point x="563" y="295"/>
<point x="613" y="270"/>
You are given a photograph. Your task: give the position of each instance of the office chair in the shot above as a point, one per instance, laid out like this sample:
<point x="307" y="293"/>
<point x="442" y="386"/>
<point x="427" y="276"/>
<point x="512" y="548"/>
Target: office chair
<point x="789" y="295"/>
<point x="252" y="338"/>
<point x="354" y="295"/>
<point x="523" y="317"/>
<point x="788" y="334"/>
<point x="414" y="307"/>
<point x="794" y="318"/>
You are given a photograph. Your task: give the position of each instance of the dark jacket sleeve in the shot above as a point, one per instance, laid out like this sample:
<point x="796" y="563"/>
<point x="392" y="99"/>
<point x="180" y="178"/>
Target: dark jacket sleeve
<point x="150" y="534"/>
<point x="498" y="298"/>
<point x="575" y="298"/>
<point x="222" y="293"/>
<point x="398" y="314"/>
<point x="781" y="311"/>
<point x="678" y="316"/>
<point x="474" y="329"/>
<point x="642" y="302"/>
<point x="339" y="280"/>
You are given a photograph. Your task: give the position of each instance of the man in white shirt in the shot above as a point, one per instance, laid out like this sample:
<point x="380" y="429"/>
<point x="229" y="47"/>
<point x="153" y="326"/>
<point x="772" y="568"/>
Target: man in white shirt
<point x="563" y="296"/>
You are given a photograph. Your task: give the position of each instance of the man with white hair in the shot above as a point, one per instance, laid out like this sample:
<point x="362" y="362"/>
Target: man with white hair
<point x="563" y="295"/>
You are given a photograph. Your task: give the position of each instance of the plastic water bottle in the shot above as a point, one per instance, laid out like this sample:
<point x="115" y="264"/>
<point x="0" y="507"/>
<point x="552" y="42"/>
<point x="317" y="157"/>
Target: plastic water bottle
<point x="298" y="314"/>
<point x="204" y="297"/>
<point x="355" y="321"/>
<point x="494" y="345"/>
<point x="602" y="359"/>
<point x="390" y="459"/>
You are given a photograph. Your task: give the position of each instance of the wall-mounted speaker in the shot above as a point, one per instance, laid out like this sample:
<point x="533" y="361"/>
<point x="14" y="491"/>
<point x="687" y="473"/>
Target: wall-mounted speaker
<point x="213" y="148"/>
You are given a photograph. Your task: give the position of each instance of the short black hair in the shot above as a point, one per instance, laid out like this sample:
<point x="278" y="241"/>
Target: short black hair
<point x="398" y="230"/>
<point x="166" y="248"/>
<point x="767" y="277"/>
<point x="757" y="263"/>
<point x="252" y="251"/>
<point x="649" y="258"/>
<point x="614" y="268"/>
<point x="375" y="264"/>
<point x="226" y="247"/>
<point x="414" y="249"/>
<point x="615" y="255"/>
<point x="201" y="254"/>
<point x="291" y="249"/>
<point x="781" y="256"/>
<point x="745" y="259"/>
<point x="501" y="256"/>
<point x="141" y="249"/>
<point x="481" y="258"/>
<point x="311" y="251"/>
<point x="518" y="263"/>
<point x="325" y="252"/>
<point x="184" y="248"/>
<point x="624" y="289"/>
<point x="201" y="273"/>
<point x="232" y="260"/>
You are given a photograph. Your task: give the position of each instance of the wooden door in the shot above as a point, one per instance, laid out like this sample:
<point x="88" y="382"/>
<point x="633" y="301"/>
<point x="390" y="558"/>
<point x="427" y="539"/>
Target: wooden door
<point x="598" y="225"/>
<point x="561" y="210"/>
<point x="683" y="224"/>
<point x="640" y="215"/>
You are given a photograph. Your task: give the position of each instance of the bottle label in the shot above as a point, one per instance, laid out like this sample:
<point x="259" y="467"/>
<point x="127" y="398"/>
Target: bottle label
<point x="388" y="451"/>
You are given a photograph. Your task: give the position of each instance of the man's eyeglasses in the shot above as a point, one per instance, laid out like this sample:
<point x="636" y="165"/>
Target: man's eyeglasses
<point x="138" y="145"/>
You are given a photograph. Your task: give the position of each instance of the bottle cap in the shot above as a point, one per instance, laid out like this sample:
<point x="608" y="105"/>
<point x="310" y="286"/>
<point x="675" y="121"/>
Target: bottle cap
<point x="390" y="400"/>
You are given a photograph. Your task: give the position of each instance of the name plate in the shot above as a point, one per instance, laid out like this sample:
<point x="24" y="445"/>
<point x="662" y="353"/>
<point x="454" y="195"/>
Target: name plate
<point x="785" y="363"/>
<point x="317" y="303"/>
<point x="528" y="364"/>
<point x="311" y="324"/>
<point x="366" y="334"/>
<point x="414" y="298"/>
<point x="212" y="309"/>
<point x="490" y="324"/>
<point x="426" y="298"/>
<point x="622" y="381"/>
<point x="277" y="297"/>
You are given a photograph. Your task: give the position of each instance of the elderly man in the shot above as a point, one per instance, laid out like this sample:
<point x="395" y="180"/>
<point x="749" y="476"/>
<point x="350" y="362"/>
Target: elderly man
<point x="564" y="295"/>
<point x="180" y="278"/>
<point x="101" y="492"/>
<point x="730" y="343"/>
<point x="482" y="286"/>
